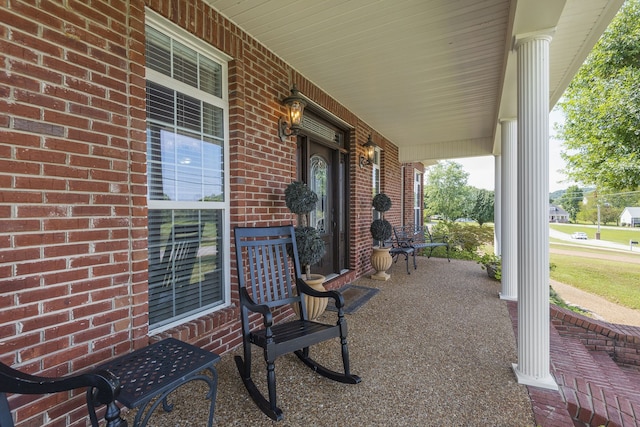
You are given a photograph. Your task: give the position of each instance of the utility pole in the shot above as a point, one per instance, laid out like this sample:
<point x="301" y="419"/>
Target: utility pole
<point x="598" y="229"/>
<point x="585" y="201"/>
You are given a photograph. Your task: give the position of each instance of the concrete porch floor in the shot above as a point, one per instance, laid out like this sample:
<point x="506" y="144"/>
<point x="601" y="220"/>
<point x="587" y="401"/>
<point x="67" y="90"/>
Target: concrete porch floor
<point x="433" y="348"/>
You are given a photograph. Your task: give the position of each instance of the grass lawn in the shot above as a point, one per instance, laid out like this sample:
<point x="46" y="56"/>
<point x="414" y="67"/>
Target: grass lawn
<point x="617" y="281"/>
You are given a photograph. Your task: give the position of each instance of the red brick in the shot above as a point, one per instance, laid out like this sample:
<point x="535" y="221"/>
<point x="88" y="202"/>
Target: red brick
<point x="67" y="329"/>
<point x="91" y="310"/>
<point x="613" y="416"/>
<point x="15" y="344"/>
<point x="66" y="303"/>
<point x="17" y="255"/>
<point x="47" y="348"/>
<point x="42" y="239"/>
<point x="42" y="294"/>
<point x="44" y="320"/>
<point x="39" y="266"/>
<point x="572" y="401"/>
<point x="73" y="352"/>
<point x="65" y="277"/>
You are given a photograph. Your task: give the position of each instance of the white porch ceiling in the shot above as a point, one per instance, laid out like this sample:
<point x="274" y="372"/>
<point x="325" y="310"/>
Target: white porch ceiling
<point x="433" y="76"/>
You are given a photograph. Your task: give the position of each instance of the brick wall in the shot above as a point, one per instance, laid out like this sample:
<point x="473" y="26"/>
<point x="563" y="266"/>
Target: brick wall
<point x="73" y="207"/>
<point x="73" y="202"/>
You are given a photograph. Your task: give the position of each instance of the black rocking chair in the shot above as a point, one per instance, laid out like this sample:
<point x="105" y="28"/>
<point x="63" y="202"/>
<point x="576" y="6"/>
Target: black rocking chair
<point x="265" y="283"/>
<point x="104" y="385"/>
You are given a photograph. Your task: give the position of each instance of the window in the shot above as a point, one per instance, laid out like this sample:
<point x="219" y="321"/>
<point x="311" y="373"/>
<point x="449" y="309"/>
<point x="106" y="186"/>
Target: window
<point x="417" y="199"/>
<point x="319" y="174"/>
<point x="187" y="118"/>
<point x="376" y="179"/>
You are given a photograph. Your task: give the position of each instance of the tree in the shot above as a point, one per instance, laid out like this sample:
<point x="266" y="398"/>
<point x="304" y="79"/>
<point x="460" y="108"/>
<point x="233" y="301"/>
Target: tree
<point x="622" y="200"/>
<point x="571" y="201"/>
<point x="482" y="205"/>
<point x="446" y="191"/>
<point x="609" y="213"/>
<point x="602" y="108"/>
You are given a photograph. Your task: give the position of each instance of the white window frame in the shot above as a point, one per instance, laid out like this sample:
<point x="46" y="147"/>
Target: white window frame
<point x="175" y="32"/>
<point x="418" y="198"/>
<point x="376" y="179"/>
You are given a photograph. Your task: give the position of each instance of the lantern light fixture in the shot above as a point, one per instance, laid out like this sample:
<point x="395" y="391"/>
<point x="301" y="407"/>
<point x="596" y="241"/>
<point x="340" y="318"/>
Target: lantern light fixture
<point x="369" y="151"/>
<point x="292" y="124"/>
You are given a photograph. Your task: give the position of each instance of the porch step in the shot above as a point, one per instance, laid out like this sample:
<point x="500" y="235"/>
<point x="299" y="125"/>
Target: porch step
<point x="596" y="390"/>
<point x="632" y="373"/>
<point x="549" y="408"/>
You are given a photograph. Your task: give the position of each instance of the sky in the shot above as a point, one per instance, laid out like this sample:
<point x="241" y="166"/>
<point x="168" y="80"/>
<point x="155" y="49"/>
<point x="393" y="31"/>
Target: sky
<point x="481" y="169"/>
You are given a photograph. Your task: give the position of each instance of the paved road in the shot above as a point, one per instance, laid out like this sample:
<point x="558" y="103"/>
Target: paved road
<point x="603" y="244"/>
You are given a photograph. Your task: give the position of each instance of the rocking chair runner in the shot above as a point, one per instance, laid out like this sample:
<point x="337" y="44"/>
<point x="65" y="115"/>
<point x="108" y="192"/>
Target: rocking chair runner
<point x="265" y="283"/>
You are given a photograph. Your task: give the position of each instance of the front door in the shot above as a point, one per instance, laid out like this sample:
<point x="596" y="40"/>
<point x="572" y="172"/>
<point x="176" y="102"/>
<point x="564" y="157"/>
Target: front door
<point x="322" y="162"/>
<point x="322" y="168"/>
<point x="321" y="180"/>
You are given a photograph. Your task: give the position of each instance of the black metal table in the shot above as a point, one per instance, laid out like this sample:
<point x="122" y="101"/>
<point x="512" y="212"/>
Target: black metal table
<point x="154" y="372"/>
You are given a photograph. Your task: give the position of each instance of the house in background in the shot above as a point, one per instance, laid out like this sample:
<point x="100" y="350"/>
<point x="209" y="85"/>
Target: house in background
<point x="132" y="128"/>
<point x="557" y="214"/>
<point x="630" y="217"/>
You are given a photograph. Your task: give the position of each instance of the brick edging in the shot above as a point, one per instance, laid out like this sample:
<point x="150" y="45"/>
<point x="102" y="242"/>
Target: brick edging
<point x="622" y="342"/>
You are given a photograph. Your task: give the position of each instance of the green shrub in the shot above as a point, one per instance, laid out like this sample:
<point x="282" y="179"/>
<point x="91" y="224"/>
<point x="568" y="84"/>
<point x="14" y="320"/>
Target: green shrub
<point x="465" y="240"/>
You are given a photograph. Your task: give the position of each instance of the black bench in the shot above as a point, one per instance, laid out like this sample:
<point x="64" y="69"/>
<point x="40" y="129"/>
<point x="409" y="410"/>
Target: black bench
<point x="419" y="237"/>
<point x="397" y="250"/>
<point x="154" y="372"/>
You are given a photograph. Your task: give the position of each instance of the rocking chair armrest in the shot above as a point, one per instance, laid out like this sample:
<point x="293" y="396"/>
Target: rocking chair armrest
<point x="247" y="302"/>
<point x="107" y="386"/>
<point x="308" y="290"/>
<point x="105" y="382"/>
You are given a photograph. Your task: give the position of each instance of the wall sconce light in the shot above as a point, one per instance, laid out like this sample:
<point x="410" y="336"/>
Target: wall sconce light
<point x="295" y="109"/>
<point x="369" y="151"/>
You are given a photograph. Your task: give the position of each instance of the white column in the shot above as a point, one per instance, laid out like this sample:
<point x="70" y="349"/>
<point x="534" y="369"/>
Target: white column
<point x="497" y="210"/>
<point x="509" y="185"/>
<point x="533" y="205"/>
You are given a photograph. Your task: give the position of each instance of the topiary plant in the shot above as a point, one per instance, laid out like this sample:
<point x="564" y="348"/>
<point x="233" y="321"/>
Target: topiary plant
<point x="301" y="200"/>
<point x="310" y="246"/>
<point x="381" y="229"/>
<point x="381" y="203"/>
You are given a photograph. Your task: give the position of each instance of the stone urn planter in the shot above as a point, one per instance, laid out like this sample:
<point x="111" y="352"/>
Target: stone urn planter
<point x="315" y="306"/>
<point x="492" y="263"/>
<point x="381" y="261"/>
<point x="491" y="270"/>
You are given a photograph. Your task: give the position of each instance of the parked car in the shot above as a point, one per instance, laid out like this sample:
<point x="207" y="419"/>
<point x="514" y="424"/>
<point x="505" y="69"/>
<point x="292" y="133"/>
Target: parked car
<point x="579" y="235"/>
<point x="464" y="220"/>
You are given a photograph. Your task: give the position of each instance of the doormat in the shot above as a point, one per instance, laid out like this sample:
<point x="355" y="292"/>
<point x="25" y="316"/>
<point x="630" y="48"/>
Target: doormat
<point x="354" y="297"/>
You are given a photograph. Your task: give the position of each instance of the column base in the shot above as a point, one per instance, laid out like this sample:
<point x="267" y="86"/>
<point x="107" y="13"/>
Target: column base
<point x="547" y="382"/>
<point x="507" y="297"/>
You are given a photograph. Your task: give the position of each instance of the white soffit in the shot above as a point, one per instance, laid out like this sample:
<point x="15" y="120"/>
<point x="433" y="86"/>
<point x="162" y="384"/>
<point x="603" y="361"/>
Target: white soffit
<point x="430" y="75"/>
